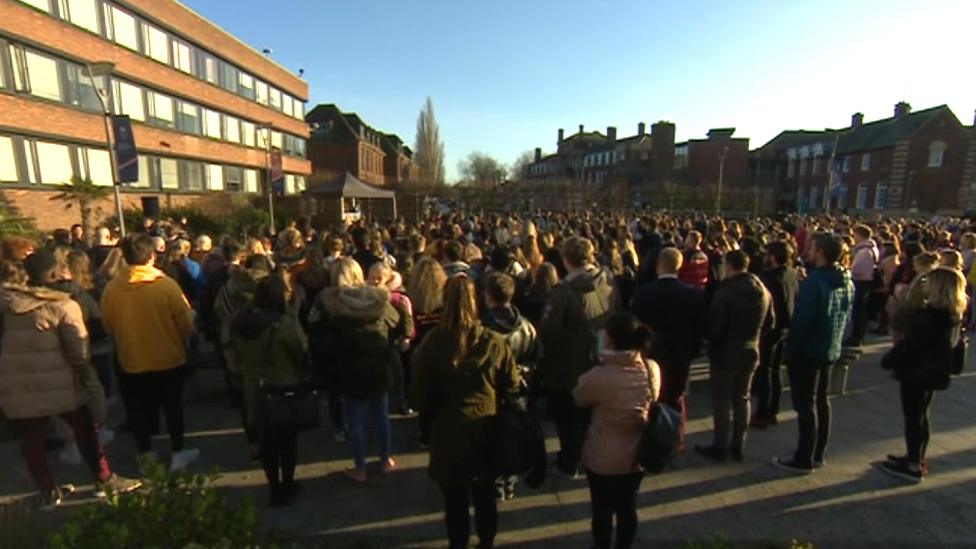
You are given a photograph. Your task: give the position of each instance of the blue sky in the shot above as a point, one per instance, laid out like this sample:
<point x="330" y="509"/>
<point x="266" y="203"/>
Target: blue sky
<point x="506" y="74"/>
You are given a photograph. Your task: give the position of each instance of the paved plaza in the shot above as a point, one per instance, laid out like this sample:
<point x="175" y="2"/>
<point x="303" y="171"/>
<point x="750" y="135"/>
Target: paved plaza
<point x="850" y="503"/>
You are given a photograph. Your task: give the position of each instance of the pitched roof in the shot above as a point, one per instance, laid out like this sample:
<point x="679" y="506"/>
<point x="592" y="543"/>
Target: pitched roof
<point x="796" y="138"/>
<point x="882" y="134"/>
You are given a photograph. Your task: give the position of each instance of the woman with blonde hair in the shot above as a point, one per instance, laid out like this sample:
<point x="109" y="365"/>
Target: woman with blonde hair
<point x="351" y="326"/>
<point x="931" y="350"/>
<point x="531" y="253"/>
<point x="461" y="371"/>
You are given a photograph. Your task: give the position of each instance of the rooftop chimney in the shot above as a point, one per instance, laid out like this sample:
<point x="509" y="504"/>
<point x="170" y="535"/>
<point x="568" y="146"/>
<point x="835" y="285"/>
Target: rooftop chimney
<point x="561" y="135"/>
<point x="611" y="134"/>
<point x="902" y="108"/>
<point x="641" y="127"/>
<point x="538" y="154"/>
<point x="857" y="119"/>
<point x="581" y="129"/>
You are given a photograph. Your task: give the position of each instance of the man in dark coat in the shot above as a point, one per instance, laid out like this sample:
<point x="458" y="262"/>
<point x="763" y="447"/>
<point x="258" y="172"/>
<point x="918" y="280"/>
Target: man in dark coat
<point x="741" y="311"/>
<point x="676" y="313"/>
<point x="782" y="282"/>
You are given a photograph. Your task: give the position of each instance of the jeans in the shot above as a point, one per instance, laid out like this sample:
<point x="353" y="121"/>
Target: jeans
<point x="613" y="495"/>
<point x="730" y="396"/>
<point x="355" y="411"/>
<point x="145" y="394"/>
<point x="768" y="385"/>
<point x="915" y="405"/>
<point x="457" y="500"/>
<point x="279" y="450"/>
<point x="809" y="383"/>
<point x="570" y="428"/>
<point x="859" y="314"/>
<point x="33" y="445"/>
<point x="673" y="384"/>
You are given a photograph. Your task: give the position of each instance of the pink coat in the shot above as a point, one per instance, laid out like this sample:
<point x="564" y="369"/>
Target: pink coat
<point x="619" y="393"/>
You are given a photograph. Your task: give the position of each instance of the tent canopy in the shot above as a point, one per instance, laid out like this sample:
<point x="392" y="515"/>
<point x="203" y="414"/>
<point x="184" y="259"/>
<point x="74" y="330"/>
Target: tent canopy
<point x="348" y="186"/>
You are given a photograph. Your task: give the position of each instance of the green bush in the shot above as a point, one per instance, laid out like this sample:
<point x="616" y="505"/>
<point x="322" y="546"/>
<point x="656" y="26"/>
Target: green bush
<point x="242" y="220"/>
<point x="172" y="510"/>
<point x="11" y="224"/>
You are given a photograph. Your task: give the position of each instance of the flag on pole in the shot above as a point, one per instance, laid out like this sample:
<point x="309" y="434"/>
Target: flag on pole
<point x="126" y="157"/>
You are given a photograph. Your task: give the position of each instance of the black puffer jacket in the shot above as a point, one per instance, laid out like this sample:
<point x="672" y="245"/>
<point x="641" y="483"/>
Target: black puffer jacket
<point x="926" y="355"/>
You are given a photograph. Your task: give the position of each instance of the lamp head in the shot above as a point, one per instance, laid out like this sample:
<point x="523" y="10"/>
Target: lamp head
<point x="101" y="68"/>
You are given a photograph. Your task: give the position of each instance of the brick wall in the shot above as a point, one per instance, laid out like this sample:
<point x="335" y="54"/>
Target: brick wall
<point x="703" y="161"/>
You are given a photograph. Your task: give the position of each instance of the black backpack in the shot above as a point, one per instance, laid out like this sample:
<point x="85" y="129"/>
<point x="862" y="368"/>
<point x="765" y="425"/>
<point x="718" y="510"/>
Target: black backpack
<point x="659" y="439"/>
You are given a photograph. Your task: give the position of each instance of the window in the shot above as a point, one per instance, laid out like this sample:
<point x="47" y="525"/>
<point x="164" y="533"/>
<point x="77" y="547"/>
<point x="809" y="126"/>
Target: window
<point x="155" y="43"/>
<point x="192" y="175"/>
<point x="881" y="196"/>
<point x="54" y="161"/>
<point x="286" y="104"/>
<point x="206" y="66"/>
<point x="936" y="154"/>
<point x="212" y="123"/>
<point x="250" y="181"/>
<point x="188" y="118"/>
<point x="814" y="197"/>
<point x="846" y="166"/>
<point x="289" y="184"/>
<point x="128" y="100"/>
<point x="98" y="167"/>
<point x="39" y="4"/>
<point x="144" y="176"/>
<point x="791" y="168"/>
<point x="234" y="178"/>
<point x="274" y="98"/>
<point x="299" y="110"/>
<point x="169" y="175"/>
<point x="247" y="129"/>
<point x="803" y="167"/>
<point x="299" y="183"/>
<point x="862" y="196"/>
<point x="83" y="14"/>
<point x="79" y="91"/>
<point x="817" y="161"/>
<point x="121" y="27"/>
<point x="865" y="162"/>
<point x="262" y="137"/>
<point x="229" y="77"/>
<point x="246" y="87"/>
<point x="181" y="56"/>
<point x="261" y="92"/>
<point x="277" y="140"/>
<point x="42" y="73"/>
<point x="842" y="199"/>
<point x="160" y="109"/>
<point x="215" y="177"/>
<point x="232" y="130"/>
<point x="8" y="164"/>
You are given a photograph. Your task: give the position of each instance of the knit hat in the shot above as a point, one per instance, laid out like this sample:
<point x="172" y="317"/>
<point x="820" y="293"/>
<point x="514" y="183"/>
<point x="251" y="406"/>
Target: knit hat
<point x="39" y="264"/>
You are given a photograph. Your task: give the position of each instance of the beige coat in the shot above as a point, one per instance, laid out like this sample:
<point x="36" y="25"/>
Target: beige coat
<point x="43" y="349"/>
<point x="620" y="395"/>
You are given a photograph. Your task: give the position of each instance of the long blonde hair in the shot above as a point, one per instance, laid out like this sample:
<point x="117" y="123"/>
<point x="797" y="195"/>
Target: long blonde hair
<point x="80" y="266"/>
<point x="426" y="286"/>
<point x="460" y="318"/>
<point x="946" y="289"/>
<point x="114" y="263"/>
<point x="346" y="273"/>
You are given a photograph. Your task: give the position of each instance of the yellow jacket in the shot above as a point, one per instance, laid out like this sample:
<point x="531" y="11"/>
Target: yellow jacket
<point x="146" y="313"/>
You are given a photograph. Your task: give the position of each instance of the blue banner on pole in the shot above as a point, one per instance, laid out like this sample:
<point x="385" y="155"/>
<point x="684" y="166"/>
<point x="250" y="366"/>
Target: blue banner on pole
<point x="126" y="157"/>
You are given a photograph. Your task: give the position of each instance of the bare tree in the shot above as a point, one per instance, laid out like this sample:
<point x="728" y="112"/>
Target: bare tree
<point x="428" y="147"/>
<point x="520" y="167"/>
<point x="482" y="171"/>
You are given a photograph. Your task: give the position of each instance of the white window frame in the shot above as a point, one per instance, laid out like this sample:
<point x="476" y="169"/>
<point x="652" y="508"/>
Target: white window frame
<point x="125" y="98"/>
<point x="215" y="177"/>
<point x="84" y="14"/>
<point x="8" y="160"/>
<point x="161" y="108"/>
<point x="121" y="27"/>
<point x="862" y="196"/>
<point x="250" y="181"/>
<point x="232" y="129"/>
<point x="155" y="43"/>
<point x="247" y="133"/>
<point x="261" y="92"/>
<point x="54" y="160"/>
<point x="936" y="154"/>
<point x="169" y="174"/>
<point x="865" y="162"/>
<point x="182" y="56"/>
<point x="212" y="124"/>
<point x="881" y="196"/>
<point x="98" y="167"/>
<point x="37" y="66"/>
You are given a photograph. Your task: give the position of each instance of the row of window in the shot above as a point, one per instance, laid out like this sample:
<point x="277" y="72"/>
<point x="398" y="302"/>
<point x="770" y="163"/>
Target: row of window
<point x="34" y="161"/>
<point x="936" y="157"/>
<point x="600" y="159"/>
<point x="125" y="29"/>
<point x="29" y="71"/>
<point x="817" y="200"/>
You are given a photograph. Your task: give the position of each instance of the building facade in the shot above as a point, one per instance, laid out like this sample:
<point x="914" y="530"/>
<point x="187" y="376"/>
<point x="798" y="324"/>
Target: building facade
<point x="912" y="161"/>
<point x="341" y="142"/>
<point x="719" y="156"/>
<point x="205" y="108"/>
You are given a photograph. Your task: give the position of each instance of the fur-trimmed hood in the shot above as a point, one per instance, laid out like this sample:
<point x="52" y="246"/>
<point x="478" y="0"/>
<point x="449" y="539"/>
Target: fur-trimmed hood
<point x="362" y="304"/>
<point x="19" y="299"/>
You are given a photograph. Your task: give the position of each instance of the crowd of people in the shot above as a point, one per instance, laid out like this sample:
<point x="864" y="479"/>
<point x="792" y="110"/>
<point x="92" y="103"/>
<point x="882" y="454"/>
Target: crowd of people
<point x="593" y="318"/>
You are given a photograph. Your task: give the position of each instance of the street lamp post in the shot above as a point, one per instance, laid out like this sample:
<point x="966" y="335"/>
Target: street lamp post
<point x="100" y="69"/>
<point x="721" y="178"/>
<point x="267" y="156"/>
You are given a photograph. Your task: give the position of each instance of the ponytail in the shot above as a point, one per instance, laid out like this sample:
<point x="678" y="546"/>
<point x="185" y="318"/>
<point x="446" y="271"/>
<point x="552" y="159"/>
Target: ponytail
<point x="629" y="334"/>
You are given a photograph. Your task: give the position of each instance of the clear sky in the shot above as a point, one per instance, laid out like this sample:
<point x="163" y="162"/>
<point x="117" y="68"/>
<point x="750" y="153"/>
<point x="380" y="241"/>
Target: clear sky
<point x="504" y="75"/>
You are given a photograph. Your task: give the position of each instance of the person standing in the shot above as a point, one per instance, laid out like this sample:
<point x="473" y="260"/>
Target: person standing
<point x="675" y="311"/>
<point x="570" y="332"/>
<point x="740" y="313"/>
<point x="461" y="371"/>
<point x="695" y="267"/>
<point x="782" y="282"/>
<point x="922" y="362"/>
<point x="150" y="319"/>
<point x="619" y="392"/>
<point x="822" y="311"/>
<point x="45" y="352"/>
<point x="863" y="272"/>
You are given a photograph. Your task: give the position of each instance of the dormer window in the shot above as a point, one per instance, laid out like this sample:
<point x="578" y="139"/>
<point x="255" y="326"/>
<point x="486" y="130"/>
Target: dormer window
<point x="936" y="154"/>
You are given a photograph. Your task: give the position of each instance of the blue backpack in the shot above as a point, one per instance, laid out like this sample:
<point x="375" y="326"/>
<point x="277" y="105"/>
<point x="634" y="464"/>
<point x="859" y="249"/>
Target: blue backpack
<point x="659" y="440"/>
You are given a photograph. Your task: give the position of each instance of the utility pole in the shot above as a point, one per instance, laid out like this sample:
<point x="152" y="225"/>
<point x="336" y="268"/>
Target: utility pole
<point x="721" y="178"/>
<point x="102" y="70"/>
<point x="270" y="184"/>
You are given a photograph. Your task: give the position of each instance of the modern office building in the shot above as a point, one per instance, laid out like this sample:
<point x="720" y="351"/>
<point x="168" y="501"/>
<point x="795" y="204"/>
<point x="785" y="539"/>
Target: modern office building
<point x="206" y="109"/>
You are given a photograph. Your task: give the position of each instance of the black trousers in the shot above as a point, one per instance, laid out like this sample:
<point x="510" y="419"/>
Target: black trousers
<point x="859" y="314"/>
<point x="613" y="495"/>
<point x="457" y="500"/>
<point x="279" y="451"/>
<point x="809" y="383"/>
<point x="571" y="423"/>
<point x="915" y="406"/>
<point x="768" y="385"/>
<point x="144" y="395"/>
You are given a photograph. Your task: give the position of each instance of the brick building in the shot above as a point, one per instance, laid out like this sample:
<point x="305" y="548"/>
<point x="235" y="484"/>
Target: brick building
<point x="204" y="106"/>
<point x="910" y="161"/>
<point x="699" y="161"/>
<point x="341" y="142"/>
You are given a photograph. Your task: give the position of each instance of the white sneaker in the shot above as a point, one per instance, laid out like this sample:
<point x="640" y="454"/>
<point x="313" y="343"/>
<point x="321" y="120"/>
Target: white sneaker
<point x="70" y="454"/>
<point x="181" y="459"/>
<point x="105" y="437"/>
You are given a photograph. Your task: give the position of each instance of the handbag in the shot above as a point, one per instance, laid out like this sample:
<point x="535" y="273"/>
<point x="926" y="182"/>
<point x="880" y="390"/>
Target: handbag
<point x="289" y="407"/>
<point x="960" y="355"/>
<point x="659" y="439"/>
